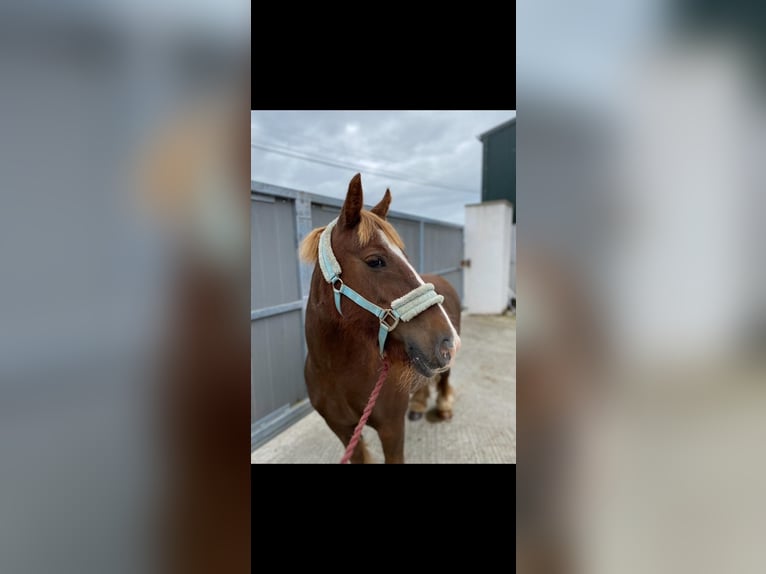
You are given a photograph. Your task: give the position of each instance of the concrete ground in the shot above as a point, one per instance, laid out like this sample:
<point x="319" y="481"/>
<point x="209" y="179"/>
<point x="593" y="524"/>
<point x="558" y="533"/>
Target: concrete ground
<point x="483" y="429"/>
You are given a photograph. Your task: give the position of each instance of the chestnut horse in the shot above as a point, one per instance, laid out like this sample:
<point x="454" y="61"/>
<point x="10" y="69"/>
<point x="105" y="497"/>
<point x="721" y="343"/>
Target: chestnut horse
<point x="347" y="337"/>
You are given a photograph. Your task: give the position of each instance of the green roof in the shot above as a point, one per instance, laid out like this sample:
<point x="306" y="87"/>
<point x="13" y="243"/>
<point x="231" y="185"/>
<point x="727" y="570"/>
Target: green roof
<point x="502" y="126"/>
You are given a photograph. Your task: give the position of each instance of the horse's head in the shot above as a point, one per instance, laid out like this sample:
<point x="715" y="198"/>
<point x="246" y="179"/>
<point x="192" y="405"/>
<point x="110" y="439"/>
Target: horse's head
<point x="374" y="264"/>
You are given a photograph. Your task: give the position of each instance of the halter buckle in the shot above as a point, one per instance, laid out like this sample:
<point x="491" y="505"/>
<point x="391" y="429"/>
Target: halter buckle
<point x="389" y="315"/>
<point x="334" y="282"/>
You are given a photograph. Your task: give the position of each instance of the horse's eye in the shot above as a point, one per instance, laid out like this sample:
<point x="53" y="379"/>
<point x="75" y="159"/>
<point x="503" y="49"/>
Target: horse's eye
<point x="376" y="262"/>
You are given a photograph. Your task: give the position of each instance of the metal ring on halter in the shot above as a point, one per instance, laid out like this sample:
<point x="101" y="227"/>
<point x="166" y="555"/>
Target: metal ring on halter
<point x="386" y="326"/>
<point x="337" y="280"/>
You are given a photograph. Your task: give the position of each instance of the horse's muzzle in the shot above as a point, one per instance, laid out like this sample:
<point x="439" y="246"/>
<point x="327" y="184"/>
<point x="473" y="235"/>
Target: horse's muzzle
<point x="439" y="360"/>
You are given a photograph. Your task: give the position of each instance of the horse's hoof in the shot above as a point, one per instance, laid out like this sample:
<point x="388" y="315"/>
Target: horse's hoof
<point x="415" y="416"/>
<point x="444" y="415"/>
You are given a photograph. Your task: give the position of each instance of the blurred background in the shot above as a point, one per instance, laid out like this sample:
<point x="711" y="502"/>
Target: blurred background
<point x="124" y="253"/>
<point x="641" y="275"/>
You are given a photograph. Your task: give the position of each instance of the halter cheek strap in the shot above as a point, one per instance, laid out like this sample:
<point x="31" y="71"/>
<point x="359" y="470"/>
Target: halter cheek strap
<point x="404" y="308"/>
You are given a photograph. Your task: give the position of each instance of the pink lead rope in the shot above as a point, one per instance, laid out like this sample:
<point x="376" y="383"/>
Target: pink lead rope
<point x="366" y="414"/>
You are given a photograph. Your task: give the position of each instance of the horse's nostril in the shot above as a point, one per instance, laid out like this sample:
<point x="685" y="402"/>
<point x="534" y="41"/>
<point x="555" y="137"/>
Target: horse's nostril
<point x="443" y="353"/>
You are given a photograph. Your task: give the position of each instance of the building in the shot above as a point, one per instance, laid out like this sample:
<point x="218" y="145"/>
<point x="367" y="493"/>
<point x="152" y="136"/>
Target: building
<point x="498" y="173"/>
<point x="490" y="227"/>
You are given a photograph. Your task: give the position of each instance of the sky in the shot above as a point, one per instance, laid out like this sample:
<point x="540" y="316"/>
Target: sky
<point x="431" y="160"/>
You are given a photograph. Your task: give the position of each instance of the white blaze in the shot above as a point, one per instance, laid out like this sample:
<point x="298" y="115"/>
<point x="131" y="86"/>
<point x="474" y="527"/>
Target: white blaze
<point x="398" y="252"/>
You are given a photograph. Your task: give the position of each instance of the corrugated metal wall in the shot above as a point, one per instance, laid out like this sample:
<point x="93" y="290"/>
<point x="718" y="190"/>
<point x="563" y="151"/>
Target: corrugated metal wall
<point x="442" y="253"/>
<point x="276" y="335"/>
<point x="280" y="218"/>
<point x="322" y="214"/>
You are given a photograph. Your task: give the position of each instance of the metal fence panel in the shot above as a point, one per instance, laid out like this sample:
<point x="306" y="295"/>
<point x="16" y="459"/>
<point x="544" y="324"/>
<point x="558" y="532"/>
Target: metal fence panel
<point x="443" y="247"/>
<point x="273" y="254"/>
<point x="276" y="363"/>
<point x="276" y="331"/>
<point x="442" y="253"/>
<point x="321" y="215"/>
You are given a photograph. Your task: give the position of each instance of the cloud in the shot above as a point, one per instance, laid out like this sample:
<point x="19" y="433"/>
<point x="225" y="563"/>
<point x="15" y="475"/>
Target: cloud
<point x="403" y="150"/>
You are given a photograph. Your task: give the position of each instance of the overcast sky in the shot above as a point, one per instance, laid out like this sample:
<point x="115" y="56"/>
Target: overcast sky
<point x="401" y="150"/>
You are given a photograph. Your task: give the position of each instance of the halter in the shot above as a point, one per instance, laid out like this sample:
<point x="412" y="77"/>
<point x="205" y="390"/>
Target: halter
<point x="402" y="309"/>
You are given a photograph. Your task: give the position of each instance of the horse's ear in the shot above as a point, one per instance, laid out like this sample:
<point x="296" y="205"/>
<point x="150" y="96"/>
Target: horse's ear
<point x="351" y="211"/>
<point x="382" y="208"/>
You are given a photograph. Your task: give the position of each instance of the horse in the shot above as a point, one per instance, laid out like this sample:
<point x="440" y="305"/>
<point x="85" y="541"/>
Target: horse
<point x="367" y="303"/>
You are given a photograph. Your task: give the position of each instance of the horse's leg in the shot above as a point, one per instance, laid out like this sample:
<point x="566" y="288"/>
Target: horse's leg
<point x="445" y="397"/>
<point x="361" y="454"/>
<point x="392" y="439"/>
<point x="418" y="403"/>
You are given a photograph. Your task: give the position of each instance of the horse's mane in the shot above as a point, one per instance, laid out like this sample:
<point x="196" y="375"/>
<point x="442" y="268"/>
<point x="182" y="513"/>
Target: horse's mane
<point x="369" y="223"/>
